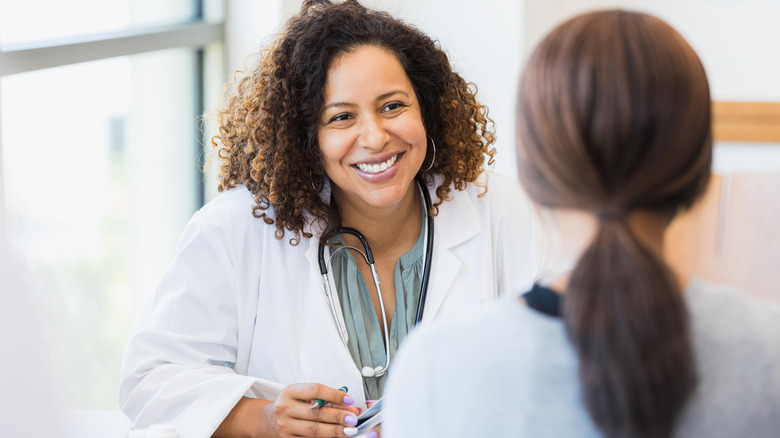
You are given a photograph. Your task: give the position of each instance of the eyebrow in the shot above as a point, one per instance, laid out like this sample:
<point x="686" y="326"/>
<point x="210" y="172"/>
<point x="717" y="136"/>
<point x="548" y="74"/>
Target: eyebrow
<point x="390" y="93"/>
<point x="380" y="97"/>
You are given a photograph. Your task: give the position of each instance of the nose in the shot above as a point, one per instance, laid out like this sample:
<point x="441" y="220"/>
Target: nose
<point x="373" y="134"/>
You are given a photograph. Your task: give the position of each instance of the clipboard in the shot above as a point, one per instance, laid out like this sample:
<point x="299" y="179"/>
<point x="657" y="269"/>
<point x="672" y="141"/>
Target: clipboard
<point x="369" y="419"/>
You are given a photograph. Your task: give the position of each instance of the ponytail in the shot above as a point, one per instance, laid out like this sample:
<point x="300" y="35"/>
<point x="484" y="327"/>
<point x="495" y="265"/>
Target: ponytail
<point x="627" y="320"/>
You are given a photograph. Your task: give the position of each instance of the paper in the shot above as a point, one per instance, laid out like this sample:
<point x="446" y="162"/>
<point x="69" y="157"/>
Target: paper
<point x="369" y="419"/>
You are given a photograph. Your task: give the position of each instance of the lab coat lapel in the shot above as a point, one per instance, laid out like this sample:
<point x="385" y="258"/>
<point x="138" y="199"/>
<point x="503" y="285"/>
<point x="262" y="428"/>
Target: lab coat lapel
<point x="455" y="224"/>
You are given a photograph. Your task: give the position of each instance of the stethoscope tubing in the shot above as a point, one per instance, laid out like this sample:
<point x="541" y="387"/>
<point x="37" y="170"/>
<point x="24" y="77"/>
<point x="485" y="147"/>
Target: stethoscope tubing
<point x="379" y="371"/>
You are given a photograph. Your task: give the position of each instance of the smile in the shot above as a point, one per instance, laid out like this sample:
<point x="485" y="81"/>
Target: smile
<point x="377" y="167"/>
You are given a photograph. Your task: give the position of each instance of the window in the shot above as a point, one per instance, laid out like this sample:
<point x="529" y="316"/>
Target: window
<point x="41" y="20"/>
<point x="100" y="156"/>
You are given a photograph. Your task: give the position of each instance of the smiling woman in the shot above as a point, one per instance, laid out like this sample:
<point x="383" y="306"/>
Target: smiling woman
<point x="372" y="136"/>
<point x="332" y="128"/>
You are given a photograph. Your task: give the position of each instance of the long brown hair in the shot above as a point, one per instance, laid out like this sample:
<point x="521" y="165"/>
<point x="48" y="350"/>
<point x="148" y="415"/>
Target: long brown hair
<point x="614" y="118"/>
<point x="268" y="127"/>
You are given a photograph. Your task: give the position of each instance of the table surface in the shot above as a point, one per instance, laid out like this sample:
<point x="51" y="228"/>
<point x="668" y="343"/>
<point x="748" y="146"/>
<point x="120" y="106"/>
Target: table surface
<point x="95" y="424"/>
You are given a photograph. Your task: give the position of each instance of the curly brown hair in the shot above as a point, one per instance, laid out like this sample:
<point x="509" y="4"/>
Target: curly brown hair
<point x="268" y="128"/>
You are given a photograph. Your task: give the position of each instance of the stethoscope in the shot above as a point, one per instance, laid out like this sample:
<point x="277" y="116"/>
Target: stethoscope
<point x="379" y="370"/>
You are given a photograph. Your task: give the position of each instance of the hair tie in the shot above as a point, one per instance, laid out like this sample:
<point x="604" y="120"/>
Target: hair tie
<point x="610" y="216"/>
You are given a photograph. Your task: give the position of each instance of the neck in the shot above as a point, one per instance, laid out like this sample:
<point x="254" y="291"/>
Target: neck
<point x="389" y="229"/>
<point x="573" y="231"/>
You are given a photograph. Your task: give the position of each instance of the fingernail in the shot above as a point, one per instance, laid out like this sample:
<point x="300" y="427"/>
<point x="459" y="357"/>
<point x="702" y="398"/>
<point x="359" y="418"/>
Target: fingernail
<point x="349" y="431"/>
<point x="351" y="420"/>
<point x="371" y="434"/>
<point x="349" y="400"/>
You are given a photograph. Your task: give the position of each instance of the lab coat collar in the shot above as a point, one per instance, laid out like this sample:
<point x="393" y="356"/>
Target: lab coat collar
<point x="457" y="221"/>
<point x="313" y="226"/>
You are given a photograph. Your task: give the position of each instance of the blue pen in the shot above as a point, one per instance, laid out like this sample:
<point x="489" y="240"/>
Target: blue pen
<point x="318" y="403"/>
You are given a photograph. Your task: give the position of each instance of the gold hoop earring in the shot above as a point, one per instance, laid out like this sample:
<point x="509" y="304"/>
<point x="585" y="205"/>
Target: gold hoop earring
<point x="313" y="186"/>
<point x="433" y="159"/>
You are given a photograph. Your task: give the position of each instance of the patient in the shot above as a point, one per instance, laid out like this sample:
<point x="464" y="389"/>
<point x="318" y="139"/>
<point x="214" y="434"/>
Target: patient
<point x="614" y="138"/>
<point x="29" y="397"/>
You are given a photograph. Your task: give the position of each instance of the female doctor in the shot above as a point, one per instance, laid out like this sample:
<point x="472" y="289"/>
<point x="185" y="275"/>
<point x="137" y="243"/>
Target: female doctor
<point x="351" y="120"/>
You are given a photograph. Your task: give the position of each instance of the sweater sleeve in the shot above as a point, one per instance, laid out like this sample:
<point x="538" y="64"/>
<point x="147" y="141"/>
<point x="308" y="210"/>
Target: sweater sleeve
<point x="409" y="409"/>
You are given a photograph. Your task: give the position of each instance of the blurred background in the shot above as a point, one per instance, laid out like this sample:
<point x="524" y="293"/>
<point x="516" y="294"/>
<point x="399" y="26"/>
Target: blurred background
<point x="102" y="143"/>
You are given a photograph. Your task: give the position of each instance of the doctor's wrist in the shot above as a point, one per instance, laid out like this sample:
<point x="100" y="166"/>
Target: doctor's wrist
<point x="249" y="418"/>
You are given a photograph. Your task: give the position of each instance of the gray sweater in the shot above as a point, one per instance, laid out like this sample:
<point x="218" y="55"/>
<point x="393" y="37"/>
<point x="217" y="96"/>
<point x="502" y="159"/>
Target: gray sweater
<point x="512" y="372"/>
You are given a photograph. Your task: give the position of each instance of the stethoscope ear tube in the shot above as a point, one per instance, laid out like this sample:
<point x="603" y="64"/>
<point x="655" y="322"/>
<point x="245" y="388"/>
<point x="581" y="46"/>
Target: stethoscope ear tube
<point x="321" y="260"/>
<point x="329" y="294"/>
<point x="342" y="330"/>
<point x="428" y="252"/>
<point x="363" y="241"/>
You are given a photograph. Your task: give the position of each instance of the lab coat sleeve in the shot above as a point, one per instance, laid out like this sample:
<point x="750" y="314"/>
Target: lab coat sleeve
<point x="178" y="363"/>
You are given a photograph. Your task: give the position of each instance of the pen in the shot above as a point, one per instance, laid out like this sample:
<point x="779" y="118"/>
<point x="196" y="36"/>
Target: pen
<point x="320" y="403"/>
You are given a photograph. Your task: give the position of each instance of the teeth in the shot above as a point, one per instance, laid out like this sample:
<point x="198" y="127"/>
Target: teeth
<point x="377" y="168"/>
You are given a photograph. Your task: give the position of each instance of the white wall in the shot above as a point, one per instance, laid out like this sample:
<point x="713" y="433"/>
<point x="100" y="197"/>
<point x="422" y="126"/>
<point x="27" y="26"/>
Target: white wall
<point x="737" y="40"/>
<point x="249" y="25"/>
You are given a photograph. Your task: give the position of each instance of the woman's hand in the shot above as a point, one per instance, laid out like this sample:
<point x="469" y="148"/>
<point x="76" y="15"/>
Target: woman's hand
<point x="291" y="415"/>
<point x="376" y="431"/>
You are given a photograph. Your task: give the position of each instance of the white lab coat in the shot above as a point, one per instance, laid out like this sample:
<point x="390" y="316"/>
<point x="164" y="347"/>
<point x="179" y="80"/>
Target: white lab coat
<point x="239" y="306"/>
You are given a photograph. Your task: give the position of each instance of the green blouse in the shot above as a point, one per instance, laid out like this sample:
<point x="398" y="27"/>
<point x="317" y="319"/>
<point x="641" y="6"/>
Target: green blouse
<point x="363" y="326"/>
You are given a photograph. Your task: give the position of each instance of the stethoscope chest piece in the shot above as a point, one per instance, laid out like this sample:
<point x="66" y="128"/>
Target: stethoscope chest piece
<point x="379" y="371"/>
